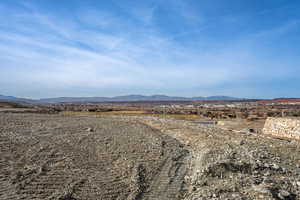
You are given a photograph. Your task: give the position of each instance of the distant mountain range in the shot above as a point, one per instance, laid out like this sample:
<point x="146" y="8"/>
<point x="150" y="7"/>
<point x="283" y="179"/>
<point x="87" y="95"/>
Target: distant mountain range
<point x="2" y="97"/>
<point x="16" y="99"/>
<point x="134" y="98"/>
<point x="119" y="99"/>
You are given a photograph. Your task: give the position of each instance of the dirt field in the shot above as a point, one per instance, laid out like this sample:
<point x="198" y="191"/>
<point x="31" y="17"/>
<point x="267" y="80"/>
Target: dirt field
<point x="231" y="165"/>
<point x="141" y="157"/>
<point x="61" y="157"/>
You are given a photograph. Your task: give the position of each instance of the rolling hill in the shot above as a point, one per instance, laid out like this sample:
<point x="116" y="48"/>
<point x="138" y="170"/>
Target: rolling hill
<point x="117" y="99"/>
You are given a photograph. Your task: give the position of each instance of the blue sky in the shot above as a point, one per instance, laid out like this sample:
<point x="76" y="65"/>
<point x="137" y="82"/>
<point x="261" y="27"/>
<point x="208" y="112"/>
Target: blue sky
<point x="243" y="48"/>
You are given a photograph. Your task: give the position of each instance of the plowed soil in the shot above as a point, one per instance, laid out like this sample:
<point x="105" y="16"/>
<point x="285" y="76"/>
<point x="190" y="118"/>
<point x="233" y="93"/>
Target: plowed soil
<point x="141" y="157"/>
<point x="71" y="157"/>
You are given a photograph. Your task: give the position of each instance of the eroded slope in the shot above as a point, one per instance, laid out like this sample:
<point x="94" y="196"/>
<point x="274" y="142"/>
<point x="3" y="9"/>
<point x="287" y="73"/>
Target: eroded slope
<point x="232" y="165"/>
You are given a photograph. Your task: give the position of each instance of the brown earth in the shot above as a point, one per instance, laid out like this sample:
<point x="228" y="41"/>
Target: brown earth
<point x="141" y="157"/>
<point x="60" y="157"/>
<point x="233" y="165"/>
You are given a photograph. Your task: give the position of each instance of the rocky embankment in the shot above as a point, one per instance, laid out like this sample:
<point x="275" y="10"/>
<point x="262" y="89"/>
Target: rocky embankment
<point x="283" y="127"/>
<point x="230" y="165"/>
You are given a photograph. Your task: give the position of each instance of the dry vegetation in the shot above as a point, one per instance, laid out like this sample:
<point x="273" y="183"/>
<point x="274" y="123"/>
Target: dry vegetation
<point x="134" y="113"/>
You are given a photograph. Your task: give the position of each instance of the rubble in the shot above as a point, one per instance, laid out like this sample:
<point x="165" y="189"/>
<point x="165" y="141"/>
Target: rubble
<point x="231" y="165"/>
<point x="283" y="127"/>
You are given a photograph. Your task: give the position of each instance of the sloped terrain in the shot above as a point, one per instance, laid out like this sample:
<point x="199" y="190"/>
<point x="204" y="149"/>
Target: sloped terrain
<point x="59" y="157"/>
<point x="232" y="165"/>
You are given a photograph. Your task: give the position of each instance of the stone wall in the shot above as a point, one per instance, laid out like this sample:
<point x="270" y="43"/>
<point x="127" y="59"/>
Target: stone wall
<point x="282" y="127"/>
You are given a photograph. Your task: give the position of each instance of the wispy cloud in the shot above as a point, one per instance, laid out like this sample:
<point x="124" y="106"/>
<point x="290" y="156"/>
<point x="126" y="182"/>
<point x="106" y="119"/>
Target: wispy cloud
<point x="96" y="51"/>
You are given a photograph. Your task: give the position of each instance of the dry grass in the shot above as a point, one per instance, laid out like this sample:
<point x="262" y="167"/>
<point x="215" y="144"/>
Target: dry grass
<point x="135" y="113"/>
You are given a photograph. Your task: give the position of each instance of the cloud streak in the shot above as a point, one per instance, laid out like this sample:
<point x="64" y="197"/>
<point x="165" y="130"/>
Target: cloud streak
<point x="100" y="52"/>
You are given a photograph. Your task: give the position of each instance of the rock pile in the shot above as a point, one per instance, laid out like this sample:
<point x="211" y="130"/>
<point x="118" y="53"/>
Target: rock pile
<point x="283" y="127"/>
